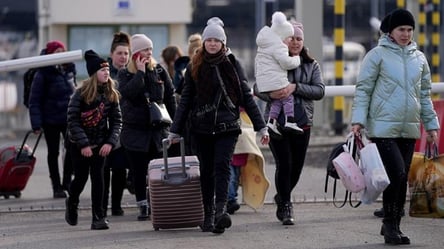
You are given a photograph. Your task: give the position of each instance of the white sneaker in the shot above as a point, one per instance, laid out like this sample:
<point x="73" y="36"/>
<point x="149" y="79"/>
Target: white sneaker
<point x="293" y="127"/>
<point x="272" y="127"/>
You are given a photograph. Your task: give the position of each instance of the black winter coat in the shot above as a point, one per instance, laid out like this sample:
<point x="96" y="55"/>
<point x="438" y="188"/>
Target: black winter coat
<point x="93" y="124"/>
<point x="137" y="132"/>
<point x="50" y="92"/>
<point x="215" y="119"/>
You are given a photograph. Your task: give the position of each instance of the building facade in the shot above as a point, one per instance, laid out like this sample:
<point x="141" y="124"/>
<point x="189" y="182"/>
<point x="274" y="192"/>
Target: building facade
<point x="86" y="24"/>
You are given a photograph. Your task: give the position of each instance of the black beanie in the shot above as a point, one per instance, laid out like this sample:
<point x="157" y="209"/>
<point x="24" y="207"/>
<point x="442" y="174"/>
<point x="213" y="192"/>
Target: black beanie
<point x="94" y="62"/>
<point x="398" y="18"/>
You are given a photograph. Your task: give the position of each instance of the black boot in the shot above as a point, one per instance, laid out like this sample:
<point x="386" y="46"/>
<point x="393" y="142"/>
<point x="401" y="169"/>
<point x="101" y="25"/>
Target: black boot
<point x="143" y="213"/>
<point x="232" y="206"/>
<point x="222" y="219"/>
<point x="287" y="213"/>
<point x="391" y="235"/>
<point x="279" y="209"/>
<point x="380" y="212"/>
<point x="99" y="222"/>
<point x="208" y="224"/>
<point x="389" y="227"/>
<point x="405" y="240"/>
<point x="71" y="215"/>
<point x="58" y="192"/>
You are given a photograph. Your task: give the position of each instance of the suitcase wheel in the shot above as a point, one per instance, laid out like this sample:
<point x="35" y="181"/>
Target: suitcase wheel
<point x="6" y="196"/>
<point x="17" y="194"/>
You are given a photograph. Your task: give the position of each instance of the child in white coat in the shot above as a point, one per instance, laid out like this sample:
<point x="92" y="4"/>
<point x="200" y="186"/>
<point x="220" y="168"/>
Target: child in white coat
<point x="271" y="65"/>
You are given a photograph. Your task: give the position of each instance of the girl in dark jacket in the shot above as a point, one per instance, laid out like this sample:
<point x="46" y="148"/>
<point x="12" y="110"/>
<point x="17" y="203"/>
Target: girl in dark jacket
<point x="142" y="81"/>
<point x="48" y="102"/>
<point x="116" y="162"/>
<point x="94" y="124"/>
<point x="215" y="87"/>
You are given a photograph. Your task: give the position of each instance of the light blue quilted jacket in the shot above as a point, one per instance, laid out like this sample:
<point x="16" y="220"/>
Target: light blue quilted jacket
<point x="393" y="92"/>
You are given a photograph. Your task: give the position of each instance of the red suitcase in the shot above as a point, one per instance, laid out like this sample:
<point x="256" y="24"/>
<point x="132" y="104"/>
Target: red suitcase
<point x="16" y="166"/>
<point x="174" y="190"/>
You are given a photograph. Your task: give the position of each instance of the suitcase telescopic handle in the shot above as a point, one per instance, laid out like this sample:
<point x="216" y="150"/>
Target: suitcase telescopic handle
<point x="24" y="142"/>
<point x="165" y="143"/>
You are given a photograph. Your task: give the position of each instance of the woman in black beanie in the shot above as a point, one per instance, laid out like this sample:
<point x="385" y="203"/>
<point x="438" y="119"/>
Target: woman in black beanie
<point x="392" y="98"/>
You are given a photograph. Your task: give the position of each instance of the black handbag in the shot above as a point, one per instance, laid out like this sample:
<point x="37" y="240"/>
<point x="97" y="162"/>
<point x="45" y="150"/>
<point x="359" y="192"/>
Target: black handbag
<point x="158" y="113"/>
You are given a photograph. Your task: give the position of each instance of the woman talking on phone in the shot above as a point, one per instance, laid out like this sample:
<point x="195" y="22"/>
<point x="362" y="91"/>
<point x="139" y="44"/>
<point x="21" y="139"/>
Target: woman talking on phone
<point x="143" y="80"/>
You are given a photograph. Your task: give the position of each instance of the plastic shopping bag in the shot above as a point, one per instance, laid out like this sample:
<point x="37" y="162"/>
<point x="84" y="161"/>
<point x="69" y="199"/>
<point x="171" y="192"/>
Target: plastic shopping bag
<point x="426" y="184"/>
<point x="375" y="176"/>
<point x="347" y="168"/>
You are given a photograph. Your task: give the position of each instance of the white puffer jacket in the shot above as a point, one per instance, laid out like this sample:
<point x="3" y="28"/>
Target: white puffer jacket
<point x="272" y="61"/>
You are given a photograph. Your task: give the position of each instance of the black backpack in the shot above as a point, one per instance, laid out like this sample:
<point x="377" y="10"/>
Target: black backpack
<point x="28" y="77"/>
<point x="331" y="172"/>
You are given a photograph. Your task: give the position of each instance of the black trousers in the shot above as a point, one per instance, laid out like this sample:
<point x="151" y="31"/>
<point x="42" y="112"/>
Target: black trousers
<point x="84" y="167"/>
<point x="139" y="166"/>
<point x="214" y="154"/>
<point x="396" y="154"/>
<point x="52" y="134"/>
<point x="289" y="154"/>
<point x="116" y="165"/>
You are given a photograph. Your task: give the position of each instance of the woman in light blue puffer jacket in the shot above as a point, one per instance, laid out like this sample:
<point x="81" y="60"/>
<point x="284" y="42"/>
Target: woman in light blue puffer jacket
<point x="392" y="98"/>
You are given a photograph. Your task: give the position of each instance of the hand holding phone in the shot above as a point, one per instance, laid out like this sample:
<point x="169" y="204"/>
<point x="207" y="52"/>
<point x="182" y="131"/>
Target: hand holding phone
<point x="135" y="56"/>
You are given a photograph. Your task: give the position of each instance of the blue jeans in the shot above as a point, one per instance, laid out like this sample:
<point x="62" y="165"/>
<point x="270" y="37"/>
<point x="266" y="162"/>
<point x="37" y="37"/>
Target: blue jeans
<point x="234" y="183"/>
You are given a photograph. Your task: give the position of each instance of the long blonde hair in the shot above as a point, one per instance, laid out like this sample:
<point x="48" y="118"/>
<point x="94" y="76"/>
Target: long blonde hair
<point x="89" y="89"/>
<point x="133" y="69"/>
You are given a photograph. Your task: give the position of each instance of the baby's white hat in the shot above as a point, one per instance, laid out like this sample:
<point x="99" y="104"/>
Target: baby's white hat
<point x="281" y="26"/>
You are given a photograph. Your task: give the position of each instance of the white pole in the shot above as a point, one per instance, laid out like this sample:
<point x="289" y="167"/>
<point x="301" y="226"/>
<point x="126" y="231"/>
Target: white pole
<point x="41" y="60"/>
<point x="349" y="90"/>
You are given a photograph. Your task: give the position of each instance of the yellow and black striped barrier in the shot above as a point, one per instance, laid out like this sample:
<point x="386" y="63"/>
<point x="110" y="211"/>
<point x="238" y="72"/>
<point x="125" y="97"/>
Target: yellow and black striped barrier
<point x="339" y="35"/>
<point x="435" y="43"/>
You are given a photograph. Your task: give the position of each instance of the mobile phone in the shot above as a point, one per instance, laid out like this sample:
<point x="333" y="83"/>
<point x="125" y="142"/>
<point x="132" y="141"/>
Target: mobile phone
<point x="134" y="57"/>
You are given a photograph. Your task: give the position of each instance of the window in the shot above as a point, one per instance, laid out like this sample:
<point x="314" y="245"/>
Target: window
<point x="99" y="39"/>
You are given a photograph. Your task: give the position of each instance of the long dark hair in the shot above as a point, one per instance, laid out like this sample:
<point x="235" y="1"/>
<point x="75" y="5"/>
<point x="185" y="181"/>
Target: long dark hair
<point x="306" y="57"/>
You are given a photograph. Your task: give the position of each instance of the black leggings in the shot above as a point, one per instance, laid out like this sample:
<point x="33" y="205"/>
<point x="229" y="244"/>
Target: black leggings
<point x="83" y="167"/>
<point x="139" y="166"/>
<point x="396" y="154"/>
<point x="289" y="155"/>
<point x="52" y="135"/>
<point x="116" y="163"/>
<point x="214" y="153"/>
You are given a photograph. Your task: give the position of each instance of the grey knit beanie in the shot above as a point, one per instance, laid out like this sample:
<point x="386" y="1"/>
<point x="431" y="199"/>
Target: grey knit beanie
<point x="215" y="29"/>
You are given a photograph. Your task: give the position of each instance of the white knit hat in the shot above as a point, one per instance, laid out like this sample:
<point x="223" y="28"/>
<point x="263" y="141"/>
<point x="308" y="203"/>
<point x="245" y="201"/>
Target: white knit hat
<point x="140" y="42"/>
<point x="281" y="26"/>
<point x="215" y="29"/>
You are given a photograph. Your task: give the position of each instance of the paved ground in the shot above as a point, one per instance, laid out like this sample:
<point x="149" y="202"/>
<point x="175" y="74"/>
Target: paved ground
<point x="36" y="220"/>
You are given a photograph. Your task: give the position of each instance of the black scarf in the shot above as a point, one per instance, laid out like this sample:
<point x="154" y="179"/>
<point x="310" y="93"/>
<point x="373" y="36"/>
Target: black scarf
<point x="207" y="83"/>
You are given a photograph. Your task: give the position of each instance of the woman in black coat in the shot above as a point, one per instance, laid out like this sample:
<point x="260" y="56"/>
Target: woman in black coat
<point x="142" y="81"/>
<point x="214" y="89"/>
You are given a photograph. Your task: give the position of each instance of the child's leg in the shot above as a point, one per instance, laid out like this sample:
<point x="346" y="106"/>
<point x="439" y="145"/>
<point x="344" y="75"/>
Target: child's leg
<point x="288" y="106"/>
<point x="233" y="186"/>
<point x="275" y="109"/>
<point x="290" y="122"/>
<point x="234" y="183"/>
